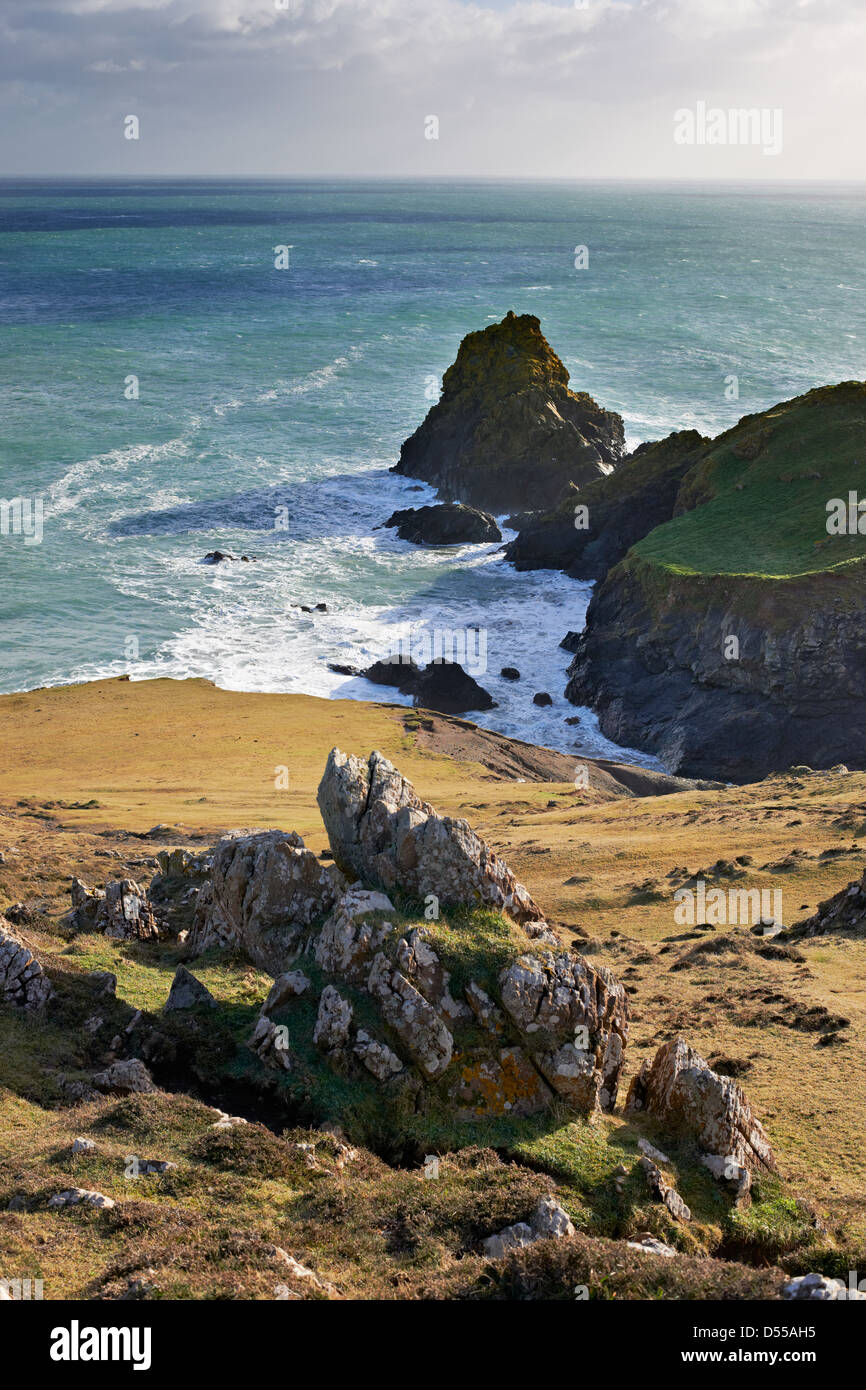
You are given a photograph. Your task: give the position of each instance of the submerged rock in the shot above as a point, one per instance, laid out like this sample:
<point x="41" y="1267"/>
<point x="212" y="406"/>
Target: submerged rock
<point x="506" y="429"/>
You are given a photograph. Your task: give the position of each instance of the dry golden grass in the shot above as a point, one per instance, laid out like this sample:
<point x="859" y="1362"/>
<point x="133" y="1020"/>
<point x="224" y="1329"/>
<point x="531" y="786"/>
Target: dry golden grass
<point x="203" y="760"/>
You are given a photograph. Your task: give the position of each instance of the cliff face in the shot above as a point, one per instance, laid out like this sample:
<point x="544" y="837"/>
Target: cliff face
<point x="652" y="661"/>
<point x="731" y="640"/>
<point x="507" y="433"/>
<point x="621" y="509"/>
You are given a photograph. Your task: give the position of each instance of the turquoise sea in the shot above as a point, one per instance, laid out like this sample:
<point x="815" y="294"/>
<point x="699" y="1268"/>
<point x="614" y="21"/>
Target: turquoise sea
<point x="267" y="393"/>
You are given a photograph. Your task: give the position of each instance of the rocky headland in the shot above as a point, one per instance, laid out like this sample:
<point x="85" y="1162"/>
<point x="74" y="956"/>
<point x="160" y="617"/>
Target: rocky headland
<point x="727" y="632"/>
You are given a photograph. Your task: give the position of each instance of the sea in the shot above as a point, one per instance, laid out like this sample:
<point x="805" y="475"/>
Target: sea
<point x="233" y="365"/>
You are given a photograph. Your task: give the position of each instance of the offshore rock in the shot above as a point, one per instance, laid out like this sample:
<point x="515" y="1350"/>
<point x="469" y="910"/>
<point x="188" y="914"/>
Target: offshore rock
<point x="507" y="431"/>
<point x="450" y="523"/>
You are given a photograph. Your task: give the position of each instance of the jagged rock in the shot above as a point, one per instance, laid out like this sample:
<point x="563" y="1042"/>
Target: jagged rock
<point x="377" y="1058"/>
<point x="381" y="831"/>
<point x="268" y="1041"/>
<point x="844" y="912"/>
<point x="651" y="1152"/>
<point x="349" y="940"/>
<point x="181" y="863"/>
<point x="85" y="906"/>
<point x="503" y="1083"/>
<point x="819" y="1286"/>
<point x="187" y="992"/>
<point x="333" y="1021"/>
<point x="416" y="1023"/>
<point x="506" y="427"/>
<point x="735" y="1177"/>
<point x="304" y="1276"/>
<point x="103" y="981"/>
<point x="83" y="1146"/>
<point x="420" y="964"/>
<point x="72" y="1196"/>
<point x="485" y="1011"/>
<point x="551" y="997"/>
<point x="649" y="1245"/>
<point x="446" y="524"/>
<point x="663" y="1191"/>
<point x="125" y="912"/>
<point x="680" y="1089"/>
<point x="22" y="982"/>
<point x="548" y="1221"/>
<point x="125" y="1078"/>
<point x="266" y="891"/>
<point x="285" y="987"/>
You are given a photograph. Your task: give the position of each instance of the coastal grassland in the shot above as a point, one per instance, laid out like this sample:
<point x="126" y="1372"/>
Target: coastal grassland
<point x="788" y="1022"/>
<point x="756" y="503"/>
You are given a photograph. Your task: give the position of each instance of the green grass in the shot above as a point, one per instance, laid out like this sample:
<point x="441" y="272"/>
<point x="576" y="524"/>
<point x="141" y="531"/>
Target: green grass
<point x="757" y="506"/>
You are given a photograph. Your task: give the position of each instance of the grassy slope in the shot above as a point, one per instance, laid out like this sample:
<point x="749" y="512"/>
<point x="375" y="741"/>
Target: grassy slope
<point x="601" y="871"/>
<point x="760" y="493"/>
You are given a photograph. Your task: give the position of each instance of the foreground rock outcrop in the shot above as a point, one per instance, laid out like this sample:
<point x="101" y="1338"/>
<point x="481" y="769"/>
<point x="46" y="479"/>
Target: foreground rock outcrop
<point x="367" y="991"/>
<point x="125" y="913"/>
<point x="689" y="1099"/>
<point x="22" y="981"/>
<point x="507" y="432"/>
<point x="380" y="830"/>
<point x="265" y="890"/>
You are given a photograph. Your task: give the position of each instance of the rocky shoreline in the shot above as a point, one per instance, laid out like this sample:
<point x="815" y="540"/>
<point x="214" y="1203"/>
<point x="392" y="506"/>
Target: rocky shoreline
<point x="726" y="634"/>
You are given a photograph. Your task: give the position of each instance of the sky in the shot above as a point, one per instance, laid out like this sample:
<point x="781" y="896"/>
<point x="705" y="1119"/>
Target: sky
<point x="518" y="88"/>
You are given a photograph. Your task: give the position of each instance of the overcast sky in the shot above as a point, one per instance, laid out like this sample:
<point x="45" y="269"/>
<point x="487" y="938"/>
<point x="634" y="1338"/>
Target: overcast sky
<point x="543" y="88"/>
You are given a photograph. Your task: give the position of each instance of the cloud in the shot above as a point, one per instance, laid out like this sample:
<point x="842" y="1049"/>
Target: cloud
<point x="342" y="86"/>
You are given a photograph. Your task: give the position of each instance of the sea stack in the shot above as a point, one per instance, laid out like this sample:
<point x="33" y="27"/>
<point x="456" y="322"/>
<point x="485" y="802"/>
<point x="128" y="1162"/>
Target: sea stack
<point x="507" y="433"/>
